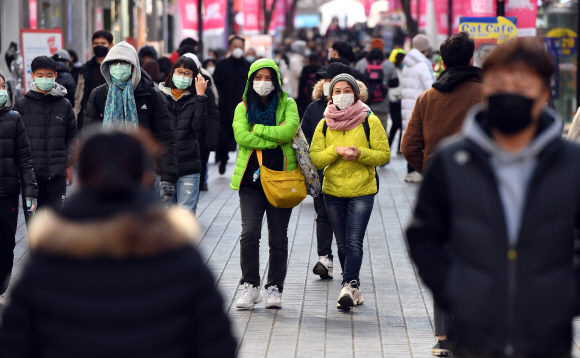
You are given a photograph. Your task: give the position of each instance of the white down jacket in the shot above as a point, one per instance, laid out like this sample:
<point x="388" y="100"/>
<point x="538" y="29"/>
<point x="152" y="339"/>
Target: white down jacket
<point x="417" y="78"/>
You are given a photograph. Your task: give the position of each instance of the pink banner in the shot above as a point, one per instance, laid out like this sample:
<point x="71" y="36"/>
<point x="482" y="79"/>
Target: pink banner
<point x="526" y="11"/>
<point x="442" y="16"/>
<point x="479" y="8"/>
<point x="215" y="14"/>
<point x="262" y="19"/>
<point x="251" y="15"/>
<point x="281" y="8"/>
<point x="188" y="12"/>
<point x="419" y="6"/>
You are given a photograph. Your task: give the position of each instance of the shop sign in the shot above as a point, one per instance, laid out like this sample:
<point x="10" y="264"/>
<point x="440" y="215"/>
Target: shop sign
<point x="562" y="42"/>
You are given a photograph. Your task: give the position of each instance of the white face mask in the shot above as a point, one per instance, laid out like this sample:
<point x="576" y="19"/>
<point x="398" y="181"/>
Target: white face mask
<point x="210" y="70"/>
<point x="343" y="101"/>
<point x="326" y="89"/>
<point x="263" y="88"/>
<point x="237" y="52"/>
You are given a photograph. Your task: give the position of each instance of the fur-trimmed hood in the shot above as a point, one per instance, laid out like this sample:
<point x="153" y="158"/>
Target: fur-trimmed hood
<point x="318" y="91"/>
<point x="127" y="235"/>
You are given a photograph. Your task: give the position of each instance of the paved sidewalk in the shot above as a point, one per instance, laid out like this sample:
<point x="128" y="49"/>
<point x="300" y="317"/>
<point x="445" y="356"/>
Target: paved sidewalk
<point x="396" y="319"/>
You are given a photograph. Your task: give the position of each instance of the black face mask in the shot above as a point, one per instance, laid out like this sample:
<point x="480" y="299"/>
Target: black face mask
<point x="101" y="51"/>
<point x="510" y="113"/>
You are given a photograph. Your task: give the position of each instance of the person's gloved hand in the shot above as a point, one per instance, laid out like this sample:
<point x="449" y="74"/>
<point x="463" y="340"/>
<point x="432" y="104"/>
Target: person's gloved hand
<point x="31" y="205"/>
<point x="166" y="192"/>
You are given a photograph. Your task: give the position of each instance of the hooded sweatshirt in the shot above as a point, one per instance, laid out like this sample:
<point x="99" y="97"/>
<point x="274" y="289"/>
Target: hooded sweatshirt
<point x="122" y="51"/>
<point x="417" y="78"/>
<point x="513" y="170"/>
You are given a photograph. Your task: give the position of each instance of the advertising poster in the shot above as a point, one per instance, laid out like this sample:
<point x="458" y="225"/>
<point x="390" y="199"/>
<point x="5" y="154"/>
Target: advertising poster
<point x="214" y="19"/>
<point x="251" y="16"/>
<point x="36" y="43"/>
<point x="188" y="12"/>
<point x="488" y="32"/>
<point x="562" y="42"/>
<point x="526" y="12"/>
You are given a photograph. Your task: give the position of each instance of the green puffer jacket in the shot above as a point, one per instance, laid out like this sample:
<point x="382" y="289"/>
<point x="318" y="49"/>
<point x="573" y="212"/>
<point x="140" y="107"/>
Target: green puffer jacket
<point x="258" y="137"/>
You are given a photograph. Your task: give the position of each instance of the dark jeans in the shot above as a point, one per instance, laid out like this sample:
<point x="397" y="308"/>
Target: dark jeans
<point x="253" y="204"/>
<point x="397" y="117"/>
<point x="442" y="320"/>
<point x="204" y="157"/>
<point x="8" y="224"/>
<point x="51" y="194"/>
<point x="323" y="228"/>
<point x="349" y="218"/>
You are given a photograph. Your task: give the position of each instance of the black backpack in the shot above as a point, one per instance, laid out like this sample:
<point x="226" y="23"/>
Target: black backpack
<point x="376" y="79"/>
<point x="367" y="129"/>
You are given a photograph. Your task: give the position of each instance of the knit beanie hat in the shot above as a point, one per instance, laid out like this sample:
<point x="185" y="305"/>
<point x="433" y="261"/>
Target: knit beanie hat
<point x="345" y="77"/>
<point x="378" y="43"/>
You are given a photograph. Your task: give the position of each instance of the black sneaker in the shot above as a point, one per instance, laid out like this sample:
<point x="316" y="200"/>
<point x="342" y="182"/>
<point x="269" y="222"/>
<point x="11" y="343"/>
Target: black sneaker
<point x="203" y="187"/>
<point x="441" y="349"/>
<point x="222" y="168"/>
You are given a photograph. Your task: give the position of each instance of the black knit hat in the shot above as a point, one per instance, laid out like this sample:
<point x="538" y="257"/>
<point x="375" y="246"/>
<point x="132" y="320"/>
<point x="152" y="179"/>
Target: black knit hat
<point x="344" y="49"/>
<point x="348" y="78"/>
<point x="333" y="70"/>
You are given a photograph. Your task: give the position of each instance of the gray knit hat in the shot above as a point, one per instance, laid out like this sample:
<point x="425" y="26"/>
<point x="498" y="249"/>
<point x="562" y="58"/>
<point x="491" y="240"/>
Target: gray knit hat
<point x="345" y="77"/>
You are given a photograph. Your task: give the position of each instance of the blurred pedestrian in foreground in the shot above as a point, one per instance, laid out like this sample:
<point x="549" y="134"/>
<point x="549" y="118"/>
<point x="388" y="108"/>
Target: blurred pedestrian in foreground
<point x="129" y="100"/>
<point x="16" y="159"/>
<point x="51" y="127"/>
<point x="187" y="105"/>
<point x="266" y="121"/>
<point x="230" y="78"/>
<point x="114" y="274"/>
<point x="65" y="78"/>
<point x="417" y="78"/>
<point x="439" y="113"/>
<point x="497" y="216"/>
<point x="90" y="76"/>
<point x="348" y="145"/>
<point x="314" y="113"/>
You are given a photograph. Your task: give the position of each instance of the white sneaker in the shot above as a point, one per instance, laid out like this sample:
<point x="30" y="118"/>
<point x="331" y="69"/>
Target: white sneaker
<point x="413" y="177"/>
<point x="358" y="298"/>
<point x="346" y="300"/>
<point x="323" y="267"/>
<point x="2" y="300"/>
<point x="273" y="297"/>
<point x="250" y="296"/>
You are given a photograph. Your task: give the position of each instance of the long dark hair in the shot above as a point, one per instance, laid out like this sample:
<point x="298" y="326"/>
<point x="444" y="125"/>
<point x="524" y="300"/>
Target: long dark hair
<point x="189" y="64"/>
<point x="255" y="98"/>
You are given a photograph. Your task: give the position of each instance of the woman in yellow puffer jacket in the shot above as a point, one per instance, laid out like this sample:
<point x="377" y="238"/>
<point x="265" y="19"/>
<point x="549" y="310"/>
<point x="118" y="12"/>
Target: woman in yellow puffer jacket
<point x="349" y="156"/>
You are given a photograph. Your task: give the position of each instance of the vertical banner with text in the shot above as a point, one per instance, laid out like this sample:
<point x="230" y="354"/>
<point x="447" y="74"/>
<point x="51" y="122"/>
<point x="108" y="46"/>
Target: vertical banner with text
<point x="251" y="16"/>
<point x="188" y="12"/>
<point x="214" y="16"/>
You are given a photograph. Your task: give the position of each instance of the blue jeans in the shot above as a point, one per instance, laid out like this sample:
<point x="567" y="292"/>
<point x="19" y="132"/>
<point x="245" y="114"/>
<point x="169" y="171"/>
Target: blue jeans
<point x="186" y="191"/>
<point x="349" y="218"/>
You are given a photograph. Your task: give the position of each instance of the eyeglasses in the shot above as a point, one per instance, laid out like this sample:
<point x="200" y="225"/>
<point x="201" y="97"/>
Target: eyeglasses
<point x="184" y="73"/>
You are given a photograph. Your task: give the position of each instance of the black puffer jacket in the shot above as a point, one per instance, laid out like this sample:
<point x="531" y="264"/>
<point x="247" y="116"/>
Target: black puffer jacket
<point x="52" y="129"/>
<point x="103" y="284"/>
<point x="189" y="118"/>
<point x="15" y="156"/>
<point x="67" y="81"/>
<point x="153" y="116"/>
<point x="507" y="298"/>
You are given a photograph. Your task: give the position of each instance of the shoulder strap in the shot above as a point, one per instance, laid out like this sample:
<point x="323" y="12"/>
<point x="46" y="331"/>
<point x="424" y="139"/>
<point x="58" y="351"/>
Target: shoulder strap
<point x="367" y="128"/>
<point x="259" y="155"/>
<point x="324" y="128"/>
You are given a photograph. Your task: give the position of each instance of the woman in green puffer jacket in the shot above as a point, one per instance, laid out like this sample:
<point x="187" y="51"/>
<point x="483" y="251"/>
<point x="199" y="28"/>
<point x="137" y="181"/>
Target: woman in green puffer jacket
<point x="265" y="120"/>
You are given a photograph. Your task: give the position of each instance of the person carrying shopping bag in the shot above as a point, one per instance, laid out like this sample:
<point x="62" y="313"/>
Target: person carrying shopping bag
<point x="264" y="124"/>
<point x="348" y="144"/>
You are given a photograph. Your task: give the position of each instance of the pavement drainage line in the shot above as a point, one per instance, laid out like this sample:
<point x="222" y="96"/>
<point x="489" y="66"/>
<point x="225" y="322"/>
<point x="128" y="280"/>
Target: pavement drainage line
<point x="375" y="289"/>
<point x="396" y="282"/>
<point x="413" y="265"/>
<point x="287" y="264"/>
<point x="305" y="284"/>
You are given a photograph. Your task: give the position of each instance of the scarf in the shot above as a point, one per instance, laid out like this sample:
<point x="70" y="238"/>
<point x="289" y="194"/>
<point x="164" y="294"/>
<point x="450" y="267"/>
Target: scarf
<point x="267" y="116"/>
<point x="177" y="93"/>
<point x="345" y="119"/>
<point x="120" y="109"/>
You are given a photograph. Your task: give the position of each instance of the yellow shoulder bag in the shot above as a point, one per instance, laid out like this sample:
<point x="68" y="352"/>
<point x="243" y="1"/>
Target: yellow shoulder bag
<point x="283" y="189"/>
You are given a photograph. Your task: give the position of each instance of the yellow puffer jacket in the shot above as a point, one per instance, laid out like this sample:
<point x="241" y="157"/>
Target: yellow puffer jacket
<point x="346" y="179"/>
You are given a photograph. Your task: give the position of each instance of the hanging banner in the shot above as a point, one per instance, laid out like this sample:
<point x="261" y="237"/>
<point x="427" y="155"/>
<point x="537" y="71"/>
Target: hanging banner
<point x="479" y="8"/>
<point x="34" y="43"/>
<point x="442" y="15"/>
<point x="188" y="16"/>
<point x="214" y="16"/>
<point x="262" y="19"/>
<point x="526" y="12"/>
<point x="488" y="32"/>
<point x="251" y="16"/>
<point x="281" y="8"/>
<point x="419" y="12"/>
